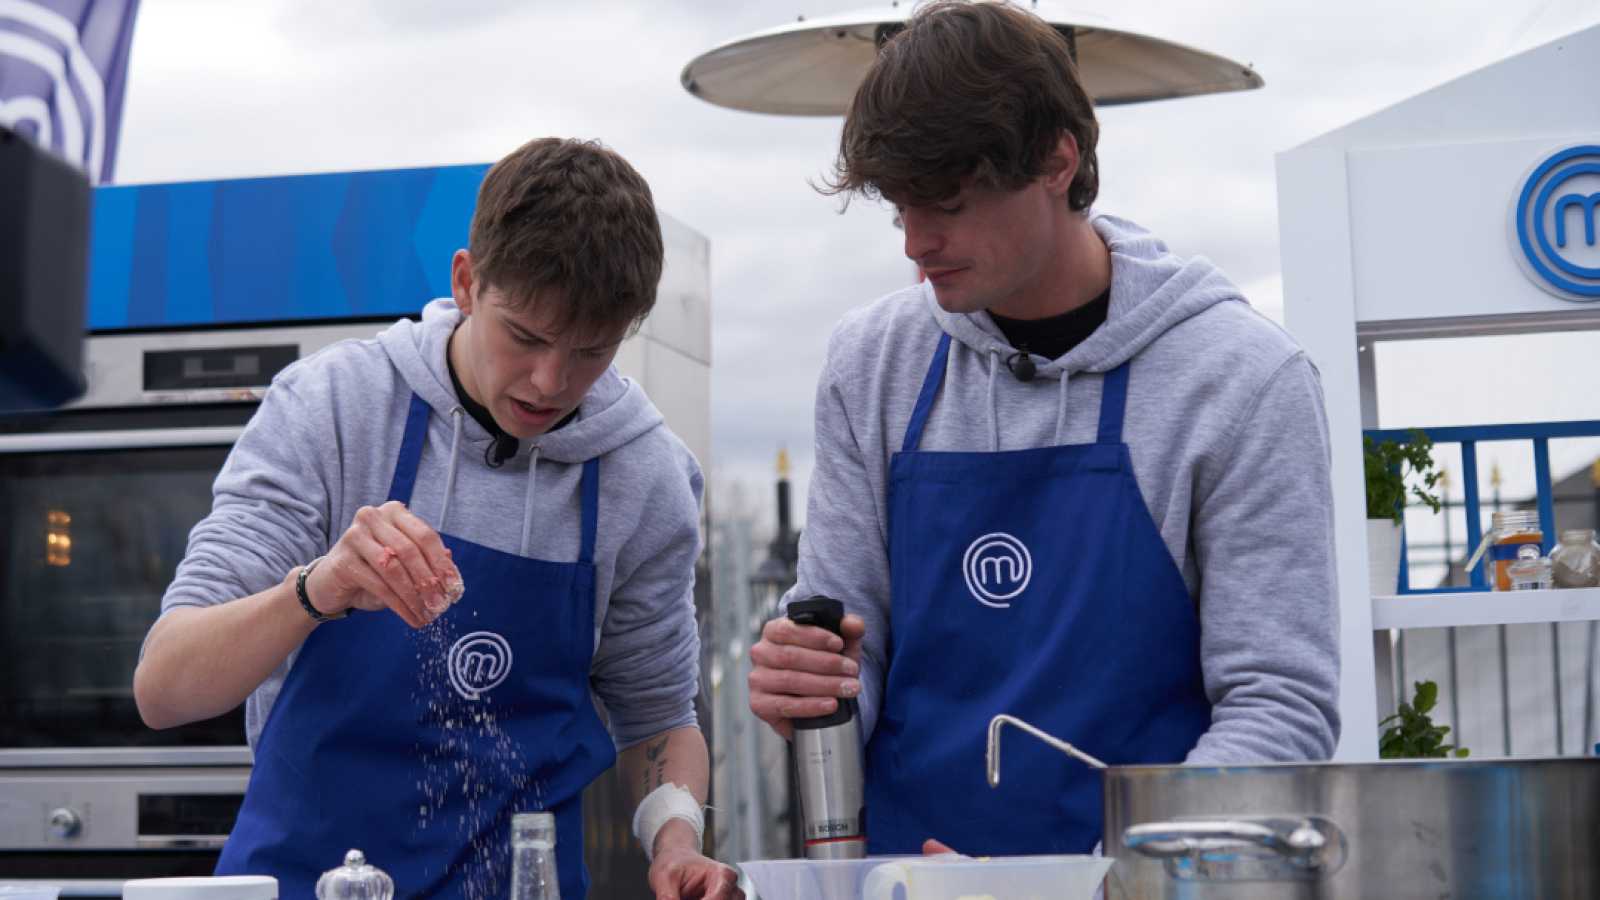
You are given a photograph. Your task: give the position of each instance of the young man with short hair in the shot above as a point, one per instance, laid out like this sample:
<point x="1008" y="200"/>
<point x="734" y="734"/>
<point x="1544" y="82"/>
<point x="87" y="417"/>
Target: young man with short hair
<point x="1070" y="477"/>
<point x="427" y="549"/>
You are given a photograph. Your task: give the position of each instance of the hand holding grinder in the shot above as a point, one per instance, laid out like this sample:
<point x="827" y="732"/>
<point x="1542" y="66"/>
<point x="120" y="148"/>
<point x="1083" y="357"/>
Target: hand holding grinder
<point x="828" y="763"/>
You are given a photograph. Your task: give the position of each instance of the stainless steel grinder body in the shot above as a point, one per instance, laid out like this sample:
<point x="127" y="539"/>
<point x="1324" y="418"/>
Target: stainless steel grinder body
<point x="828" y="760"/>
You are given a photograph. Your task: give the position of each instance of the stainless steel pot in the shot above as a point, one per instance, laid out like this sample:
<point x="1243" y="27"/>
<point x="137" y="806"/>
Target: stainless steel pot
<point x="1524" y="828"/>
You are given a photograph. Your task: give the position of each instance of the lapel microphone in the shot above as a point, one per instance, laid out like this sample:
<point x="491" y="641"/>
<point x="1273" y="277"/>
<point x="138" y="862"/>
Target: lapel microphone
<point x="1021" y="365"/>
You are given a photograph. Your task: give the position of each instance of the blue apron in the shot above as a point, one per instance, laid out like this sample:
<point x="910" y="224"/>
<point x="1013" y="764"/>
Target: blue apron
<point x="418" y="746"/>
<point x="1030" y="582"/>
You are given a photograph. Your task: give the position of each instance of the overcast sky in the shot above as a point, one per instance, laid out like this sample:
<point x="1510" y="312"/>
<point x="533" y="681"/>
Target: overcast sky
<point x="262" y="87"/>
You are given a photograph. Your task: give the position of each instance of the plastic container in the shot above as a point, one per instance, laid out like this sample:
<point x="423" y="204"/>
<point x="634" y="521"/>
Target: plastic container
<point x="811" y="879"/>
<point x="217" y="887"/>
<point x="29" y="892"/>
<point x="947" y="877"/>
<point x="991" y="878"/>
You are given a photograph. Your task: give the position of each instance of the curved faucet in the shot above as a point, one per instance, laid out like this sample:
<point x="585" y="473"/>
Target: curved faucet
<point x="993" y="755"/>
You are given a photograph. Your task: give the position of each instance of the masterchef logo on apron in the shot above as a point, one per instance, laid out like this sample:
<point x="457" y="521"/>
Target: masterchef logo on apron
<point x="997" y="567"/>
<point x="478" y="662"/>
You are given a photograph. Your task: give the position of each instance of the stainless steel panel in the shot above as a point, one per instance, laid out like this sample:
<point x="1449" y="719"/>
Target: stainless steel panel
<point x="126" y="439"/>
<point x="831" y="791"/>
<point x="1462" y="828"/>
<point x="105" y="803"/>
<point x="114" y="363"/>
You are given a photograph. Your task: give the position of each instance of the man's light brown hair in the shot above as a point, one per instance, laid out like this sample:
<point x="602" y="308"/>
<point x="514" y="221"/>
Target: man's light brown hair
<point x="968" y="89"/>
<point x="569" y="220"/>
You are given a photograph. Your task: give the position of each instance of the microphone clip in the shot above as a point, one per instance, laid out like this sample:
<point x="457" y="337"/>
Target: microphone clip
<point x="1021" y="365"/>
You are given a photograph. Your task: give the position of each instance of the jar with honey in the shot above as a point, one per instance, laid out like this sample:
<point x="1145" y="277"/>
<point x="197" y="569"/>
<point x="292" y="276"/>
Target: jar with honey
<point x="1509" y="532"/>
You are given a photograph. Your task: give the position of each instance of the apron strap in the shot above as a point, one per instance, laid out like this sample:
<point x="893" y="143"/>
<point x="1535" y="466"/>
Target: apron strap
<point x="590" y="490"/>
<point x="1113" y="401"/>
<point x="930" y="390"/>
<point x="405" y="466"/>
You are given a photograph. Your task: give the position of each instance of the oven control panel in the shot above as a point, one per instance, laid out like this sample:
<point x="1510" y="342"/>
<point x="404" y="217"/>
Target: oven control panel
<point x="124" y="809"/>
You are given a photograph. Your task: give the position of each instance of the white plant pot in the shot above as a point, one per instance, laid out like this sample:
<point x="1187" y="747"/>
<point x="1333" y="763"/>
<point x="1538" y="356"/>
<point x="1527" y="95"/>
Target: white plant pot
<point x="1383" y="556"/>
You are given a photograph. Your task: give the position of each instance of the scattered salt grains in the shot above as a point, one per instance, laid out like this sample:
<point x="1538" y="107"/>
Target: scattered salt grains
<point x="468" y="756"/>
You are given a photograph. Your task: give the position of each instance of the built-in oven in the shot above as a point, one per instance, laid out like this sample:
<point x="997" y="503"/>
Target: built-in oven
<point x="96" y="503"/>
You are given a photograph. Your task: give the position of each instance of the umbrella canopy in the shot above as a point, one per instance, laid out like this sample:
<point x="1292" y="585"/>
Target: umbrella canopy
<point x="812" y="67"/>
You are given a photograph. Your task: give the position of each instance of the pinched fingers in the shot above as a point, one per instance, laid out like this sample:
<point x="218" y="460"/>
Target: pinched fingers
<point x="411" y="544"/>
<point x="391" y="579"/>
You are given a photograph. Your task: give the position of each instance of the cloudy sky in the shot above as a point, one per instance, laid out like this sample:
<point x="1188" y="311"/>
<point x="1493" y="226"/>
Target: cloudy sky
<point x="265" y="87"/>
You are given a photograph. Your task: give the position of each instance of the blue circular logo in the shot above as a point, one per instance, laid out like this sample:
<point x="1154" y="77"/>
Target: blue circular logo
<point x="1556" y="223"/>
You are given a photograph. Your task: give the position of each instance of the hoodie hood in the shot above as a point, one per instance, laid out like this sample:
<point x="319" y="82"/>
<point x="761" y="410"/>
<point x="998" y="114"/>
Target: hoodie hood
<point x="1151" y="292"/>
<point x="613" y="413"/>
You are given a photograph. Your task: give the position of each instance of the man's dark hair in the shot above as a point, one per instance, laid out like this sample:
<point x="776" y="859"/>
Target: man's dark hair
<point x="572" y="217"/>
<point x="967" y="89"/>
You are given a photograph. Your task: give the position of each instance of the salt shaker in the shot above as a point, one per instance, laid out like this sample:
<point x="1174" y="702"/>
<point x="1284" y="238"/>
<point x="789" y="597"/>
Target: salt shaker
<point x="355" y="880"/>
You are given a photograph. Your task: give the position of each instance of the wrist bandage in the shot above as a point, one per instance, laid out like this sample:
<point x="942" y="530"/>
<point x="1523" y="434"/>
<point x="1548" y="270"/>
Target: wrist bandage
<point x="669" y="801"/>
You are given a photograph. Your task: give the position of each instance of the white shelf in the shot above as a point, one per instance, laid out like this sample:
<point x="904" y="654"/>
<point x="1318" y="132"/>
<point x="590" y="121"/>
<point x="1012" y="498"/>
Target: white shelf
<point x="1485" y="608"/>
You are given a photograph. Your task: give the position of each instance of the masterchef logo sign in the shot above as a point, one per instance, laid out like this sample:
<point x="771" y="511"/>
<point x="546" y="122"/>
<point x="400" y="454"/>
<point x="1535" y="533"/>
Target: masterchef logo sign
<point x="478" y="662"/>
<point x="997" y="567"/>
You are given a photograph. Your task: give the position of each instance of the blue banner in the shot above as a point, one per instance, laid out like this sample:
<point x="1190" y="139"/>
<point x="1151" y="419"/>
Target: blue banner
<point x="63" y="70"/>
<point x="291" y="248"/>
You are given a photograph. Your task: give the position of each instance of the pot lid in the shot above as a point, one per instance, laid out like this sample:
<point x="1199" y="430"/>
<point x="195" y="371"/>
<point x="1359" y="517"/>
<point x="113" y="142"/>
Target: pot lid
<point x="811" y="67"/>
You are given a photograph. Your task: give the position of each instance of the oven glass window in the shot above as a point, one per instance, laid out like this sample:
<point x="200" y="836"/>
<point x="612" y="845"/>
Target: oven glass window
<point x="89" y="542"/>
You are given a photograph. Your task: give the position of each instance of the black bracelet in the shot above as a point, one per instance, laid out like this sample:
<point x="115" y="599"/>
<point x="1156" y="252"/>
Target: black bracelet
<point x="305" y="602"/>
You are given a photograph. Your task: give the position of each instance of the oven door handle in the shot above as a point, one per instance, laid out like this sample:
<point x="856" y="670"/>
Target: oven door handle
<point x="130" y="439"/>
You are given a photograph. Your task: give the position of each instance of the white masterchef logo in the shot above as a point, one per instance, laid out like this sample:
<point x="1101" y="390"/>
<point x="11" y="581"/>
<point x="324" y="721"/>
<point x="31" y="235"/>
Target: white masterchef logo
<point x="478" y="662"/>
<point x="997" y="567"/>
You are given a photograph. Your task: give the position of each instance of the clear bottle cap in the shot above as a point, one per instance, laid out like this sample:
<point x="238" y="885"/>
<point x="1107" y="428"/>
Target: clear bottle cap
<point x="1577" y="536"/>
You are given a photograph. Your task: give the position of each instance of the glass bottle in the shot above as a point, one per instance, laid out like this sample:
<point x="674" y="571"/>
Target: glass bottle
<point x="1530" y="571"/>
<point x="533" y="857"/>
<point x="1576" y="559"/>
<point x="355" y="880"/>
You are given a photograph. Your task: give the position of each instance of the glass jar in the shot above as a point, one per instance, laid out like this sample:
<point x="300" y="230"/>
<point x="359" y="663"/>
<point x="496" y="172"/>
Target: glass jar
<point x="1510" y="531"/>
<point x="1576" y="559"/>
<point x="355" y="880"/>
<point x="1530" y="571"/>
<point x="533" y="857"/>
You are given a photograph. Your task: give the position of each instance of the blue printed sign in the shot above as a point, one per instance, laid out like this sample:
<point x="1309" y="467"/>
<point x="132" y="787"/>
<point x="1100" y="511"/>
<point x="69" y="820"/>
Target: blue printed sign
<point x="340" y="245"/>
<point x="1556" y="223"/>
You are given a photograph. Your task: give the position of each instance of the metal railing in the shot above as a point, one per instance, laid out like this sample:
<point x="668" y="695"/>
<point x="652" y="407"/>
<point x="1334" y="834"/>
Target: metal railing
<point x="1469" y="437"/>
<point x="1546" y="501"/>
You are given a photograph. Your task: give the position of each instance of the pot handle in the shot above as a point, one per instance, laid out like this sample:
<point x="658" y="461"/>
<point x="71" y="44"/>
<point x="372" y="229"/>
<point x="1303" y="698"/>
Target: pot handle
<point x="1304" y="842"/>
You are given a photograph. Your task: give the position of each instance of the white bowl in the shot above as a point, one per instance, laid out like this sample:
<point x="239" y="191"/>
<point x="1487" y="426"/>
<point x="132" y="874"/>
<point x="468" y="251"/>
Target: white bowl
<point x="218" y="887"/>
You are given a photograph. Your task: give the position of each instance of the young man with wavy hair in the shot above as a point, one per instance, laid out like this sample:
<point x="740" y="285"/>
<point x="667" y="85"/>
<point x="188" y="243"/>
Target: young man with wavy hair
<point x="432" y="551"/>
<point x="1069" y="477"/>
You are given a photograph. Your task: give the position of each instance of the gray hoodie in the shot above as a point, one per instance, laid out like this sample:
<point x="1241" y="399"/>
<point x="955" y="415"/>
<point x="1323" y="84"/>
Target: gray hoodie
<point x="1229" y="441"/>
<point x="324" y="444"/>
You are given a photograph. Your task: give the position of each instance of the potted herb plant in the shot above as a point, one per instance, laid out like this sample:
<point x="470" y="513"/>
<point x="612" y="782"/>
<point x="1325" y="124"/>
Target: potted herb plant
<point x="1388" y="465"/>
<point x="1411" y="733"/>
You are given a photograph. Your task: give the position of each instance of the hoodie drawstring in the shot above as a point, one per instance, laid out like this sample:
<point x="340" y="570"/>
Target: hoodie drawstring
<point x="994" y="414"/>
<point x="1061" y="411"/>
<point x="527" y="501"/>
<point x="450" y="476"/>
